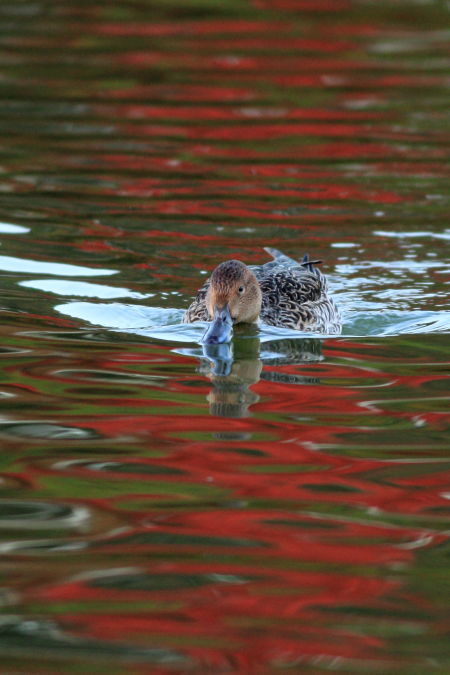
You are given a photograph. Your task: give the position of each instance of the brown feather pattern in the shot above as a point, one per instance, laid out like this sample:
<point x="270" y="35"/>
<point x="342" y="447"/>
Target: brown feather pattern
<point x="294" y="295"/>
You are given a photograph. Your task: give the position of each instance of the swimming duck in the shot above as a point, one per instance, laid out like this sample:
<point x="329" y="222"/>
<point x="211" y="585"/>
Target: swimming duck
<point x="282" y="292"/>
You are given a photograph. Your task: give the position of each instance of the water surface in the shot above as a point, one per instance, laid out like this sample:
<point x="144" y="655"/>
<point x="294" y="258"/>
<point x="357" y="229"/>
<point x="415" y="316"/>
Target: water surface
<point x="279" y="504"/>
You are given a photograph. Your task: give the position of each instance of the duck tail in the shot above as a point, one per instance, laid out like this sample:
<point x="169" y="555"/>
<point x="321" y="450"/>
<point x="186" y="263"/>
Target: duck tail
<point x="309" y="264"/>
<point x="283" y="259"/>
<point x="279" y="256"/>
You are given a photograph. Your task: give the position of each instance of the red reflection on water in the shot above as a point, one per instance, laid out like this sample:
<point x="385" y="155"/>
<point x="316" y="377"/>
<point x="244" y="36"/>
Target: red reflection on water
<point x="255" y="536"/>
<point x="260" y="541"/>
<point x="203" y="27"/>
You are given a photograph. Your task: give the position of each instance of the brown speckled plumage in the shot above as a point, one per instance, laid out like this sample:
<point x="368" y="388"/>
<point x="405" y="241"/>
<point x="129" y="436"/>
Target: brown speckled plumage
<point x="294" y="295"/>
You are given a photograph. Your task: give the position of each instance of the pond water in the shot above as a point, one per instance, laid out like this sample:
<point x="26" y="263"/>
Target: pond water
<point x="279" y="504"/>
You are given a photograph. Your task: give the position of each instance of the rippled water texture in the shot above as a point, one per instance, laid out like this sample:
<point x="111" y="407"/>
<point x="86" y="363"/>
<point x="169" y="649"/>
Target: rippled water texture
<point x="274" y="505"/>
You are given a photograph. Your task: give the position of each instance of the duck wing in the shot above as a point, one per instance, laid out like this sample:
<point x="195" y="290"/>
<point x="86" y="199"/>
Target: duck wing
<point x="295" y="295"/>
<point x="197" y="310"/>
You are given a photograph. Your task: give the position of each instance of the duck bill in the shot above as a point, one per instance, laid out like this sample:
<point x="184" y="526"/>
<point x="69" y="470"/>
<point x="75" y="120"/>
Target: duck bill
<point x="220" y="328"/>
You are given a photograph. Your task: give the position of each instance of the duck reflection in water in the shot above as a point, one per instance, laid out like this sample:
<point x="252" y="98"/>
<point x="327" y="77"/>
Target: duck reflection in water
<point x="234" y="367"/>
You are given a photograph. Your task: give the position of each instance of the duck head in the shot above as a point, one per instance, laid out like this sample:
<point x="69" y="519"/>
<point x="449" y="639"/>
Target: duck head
<point x="234" y="296"/>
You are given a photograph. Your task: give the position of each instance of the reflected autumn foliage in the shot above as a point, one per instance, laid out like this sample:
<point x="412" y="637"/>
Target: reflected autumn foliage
<point x="279" y="506"/>
<point x="258" y="534"/>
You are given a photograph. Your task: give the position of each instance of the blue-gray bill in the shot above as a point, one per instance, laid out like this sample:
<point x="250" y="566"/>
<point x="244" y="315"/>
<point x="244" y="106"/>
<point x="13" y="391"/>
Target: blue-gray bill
<point x="220" y="328"/>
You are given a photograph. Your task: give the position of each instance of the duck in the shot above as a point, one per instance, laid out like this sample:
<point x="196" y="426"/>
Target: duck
<point x="282" y="292"/>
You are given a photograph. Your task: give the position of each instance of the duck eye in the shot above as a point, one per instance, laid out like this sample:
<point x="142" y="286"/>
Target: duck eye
<point x="241" y="290"/>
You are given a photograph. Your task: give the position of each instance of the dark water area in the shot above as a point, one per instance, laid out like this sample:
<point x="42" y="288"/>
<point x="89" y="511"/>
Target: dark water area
<point x="279" y="504"/>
